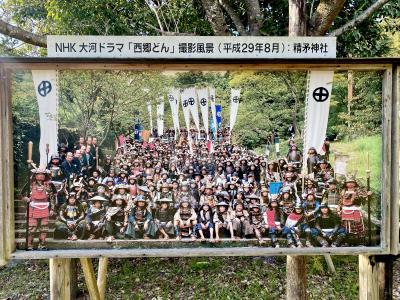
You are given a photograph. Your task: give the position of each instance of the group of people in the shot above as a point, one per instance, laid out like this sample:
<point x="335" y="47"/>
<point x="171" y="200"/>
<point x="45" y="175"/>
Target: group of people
<point x="186" y="188"/>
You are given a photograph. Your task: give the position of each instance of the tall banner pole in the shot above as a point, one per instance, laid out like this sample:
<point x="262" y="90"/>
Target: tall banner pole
<point x="368" y="173"/>
<point x="29" y="161"/>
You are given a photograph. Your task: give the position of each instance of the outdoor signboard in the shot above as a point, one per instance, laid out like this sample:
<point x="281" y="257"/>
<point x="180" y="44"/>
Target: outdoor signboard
<point x="383" y="200"/>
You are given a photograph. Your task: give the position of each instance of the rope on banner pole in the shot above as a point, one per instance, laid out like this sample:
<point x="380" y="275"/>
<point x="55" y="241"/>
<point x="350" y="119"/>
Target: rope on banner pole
<point x="305" y="150"/>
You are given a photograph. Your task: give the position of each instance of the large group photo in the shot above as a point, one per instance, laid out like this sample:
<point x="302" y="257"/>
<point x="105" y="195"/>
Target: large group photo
<point x="231" y="157"/>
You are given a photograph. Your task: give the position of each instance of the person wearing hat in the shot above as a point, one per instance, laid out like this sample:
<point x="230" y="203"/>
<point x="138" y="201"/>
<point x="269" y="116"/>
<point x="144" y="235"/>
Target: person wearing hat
<point x="291" y="230"/>
<point x="257" y="225"/>
<point x="332" y="194"/>
<point x="95" y="218"/>
<point x="311" y="212"/>
<point x="223" y="221"/>
<point x="240" y="221"/>
<point x="41" y="205"/>
<point x="116" y="219"/>
<point x="312" y="160"/>
<point x="272" y="173"/>
<point x="328" y="228"/>
<point x="185" y="219"/>
<point x="310" y="187"/>
<point x="272" y="219"/>
<point x="122" y="177"/>
<point x="294" y="154"/>
<point x="122" y="190"/>
<point x="350" y="208"/>
<point x="140" y="220"/>
<point x="185" y="193"/>
<point x="323" y="171"/>
<point x="164" y="218"/>
<point x="205" y="225"/>
<point x="70" y="219"/>
<point x="55" y="168"/>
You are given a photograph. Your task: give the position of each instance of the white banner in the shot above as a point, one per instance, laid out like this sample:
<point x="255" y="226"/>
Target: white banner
<point x="206" y="47"/>
<point x="45" y="83"/>
<point x="202" y="96"/>
<point x="212" y="104"/>
<point x="235" y="97"/>
<point x="193" y="107"/>
<point x="317" y="110"/>
<point x="173" y="99"/>
<point x="150" y="116"/>
<point x="160" y="117"/>
<point x="185" y="108"/>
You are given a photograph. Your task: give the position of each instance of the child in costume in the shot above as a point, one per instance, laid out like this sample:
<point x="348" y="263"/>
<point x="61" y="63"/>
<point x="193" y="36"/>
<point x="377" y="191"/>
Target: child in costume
<point x="116" y="218"/>
<point x="291" y="229"/>
<point x="164" y="217"/>
<point x="185" y="220"/>
<point x="140" y="220"/>
<point x="223" y="220"/>
<point x="205" y="222"/>
<point x="257" y="224"/>
<point x="71" y="216"/>
<point x="240" y="221"/>
<point x="95" y="218"/>
<point x="272" y="220"/>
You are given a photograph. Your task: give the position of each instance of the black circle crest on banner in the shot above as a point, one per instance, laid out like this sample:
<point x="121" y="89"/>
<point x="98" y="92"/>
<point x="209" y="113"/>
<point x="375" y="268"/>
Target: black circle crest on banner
<point x="185" y="103"/>
<point x="44" y="88"/>
<point x="171" y="98"/>
<point x="235" y="99"/>
<point x="203" y="101"/>
<point x="191" y="101"/>
<point x="320" y="94"/>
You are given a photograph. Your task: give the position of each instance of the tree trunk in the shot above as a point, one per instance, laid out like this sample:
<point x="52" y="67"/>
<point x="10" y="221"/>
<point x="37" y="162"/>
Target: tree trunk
<point x="296" y="279"/>
<point x="322" y="18"/>
<point x="297" y="18"/>
<point x="215" y="16"/>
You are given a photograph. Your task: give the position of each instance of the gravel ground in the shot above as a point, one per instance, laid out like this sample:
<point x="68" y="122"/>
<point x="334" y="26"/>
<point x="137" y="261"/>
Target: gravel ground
<point x="396" y="280"/>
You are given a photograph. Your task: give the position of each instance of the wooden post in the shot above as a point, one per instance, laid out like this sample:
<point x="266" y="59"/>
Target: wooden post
<point x="296" y="278"/>
<point x="330" y="264"/>
<point x="368" y="277"/>
<point x="102" y="276"/>
<point x="90" y="278"/>
<point x="60" y="279"/>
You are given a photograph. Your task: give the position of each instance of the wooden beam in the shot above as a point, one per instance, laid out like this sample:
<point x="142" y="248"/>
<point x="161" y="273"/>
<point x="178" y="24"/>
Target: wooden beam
<point x="102" y="276"/>
<point x="296" y="278"/>
<point x="60" y="279"/>
<point x="195" y="252"/>
<point x="368" y="277"/>
<point x="90" y="278"/>
<point x="330" y="264"/>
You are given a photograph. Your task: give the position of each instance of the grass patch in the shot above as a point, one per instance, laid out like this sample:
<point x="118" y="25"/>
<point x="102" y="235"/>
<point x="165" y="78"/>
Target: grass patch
<point x="193" y="278"/>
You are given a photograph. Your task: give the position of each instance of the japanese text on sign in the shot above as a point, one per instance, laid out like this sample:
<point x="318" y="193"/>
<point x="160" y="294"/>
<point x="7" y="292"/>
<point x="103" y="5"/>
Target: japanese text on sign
<point x="191" y="47"/>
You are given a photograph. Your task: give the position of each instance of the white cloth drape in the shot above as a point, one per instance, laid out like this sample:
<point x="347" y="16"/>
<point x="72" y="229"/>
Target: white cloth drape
<point x="185" y="108"/>
<point x="150" y="116"/>
<point x="235" y="96"/>
<point x="317" y="110"/>
<point x="212" y="104"/>
<point x="46" y="88"/>
<point x="193" y="106"/>
<point x="160" y="117"/>
<point x="202" y="95"/>
<point x="173" y="98"/>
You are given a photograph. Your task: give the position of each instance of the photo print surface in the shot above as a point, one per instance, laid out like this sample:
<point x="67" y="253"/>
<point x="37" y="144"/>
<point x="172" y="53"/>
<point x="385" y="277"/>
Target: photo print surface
<point x="129" y="159"/>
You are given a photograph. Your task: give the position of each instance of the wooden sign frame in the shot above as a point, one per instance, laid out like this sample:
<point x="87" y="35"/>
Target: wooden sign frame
<point x="390" y="180"/>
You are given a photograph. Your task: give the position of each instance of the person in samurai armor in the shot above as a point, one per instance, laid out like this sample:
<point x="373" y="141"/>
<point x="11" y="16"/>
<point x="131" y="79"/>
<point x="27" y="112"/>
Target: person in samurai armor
<point x="116" y="219"/>
<point x="205" y="225"/>
<point x="332" y="195"/>
<point x="323" y="171"/>
<point x="41" y="207"/>
<point x="294" y="155"/>
<point x="70" y="219"/>
<point x="257" y="225"/>
<point x="311" y="212"/>
<point x="312" y="160"/>
<point x="350" y="208"/>
<point x="240" y="221"/>
<point x="91" y="187"/>
<point x="140" y="220"/>
<point x="272" y="221"/>
<point x="291" y="230"/>
<point x="328" y="228"/>
<point x="223" y="220"/>
<point x="310" y="188"/>
<point x="185" y="220"/>
<point x="122" y="190"/>
<point x="95" y="218"/>
<point x="286" y="198"/>
<point x="164" y="218"/>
